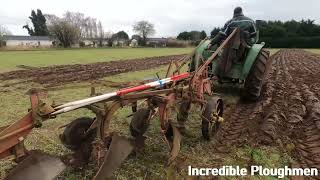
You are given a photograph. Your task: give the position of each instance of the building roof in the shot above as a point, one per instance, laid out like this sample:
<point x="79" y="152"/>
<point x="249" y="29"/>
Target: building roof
<point x="26" y="38"/>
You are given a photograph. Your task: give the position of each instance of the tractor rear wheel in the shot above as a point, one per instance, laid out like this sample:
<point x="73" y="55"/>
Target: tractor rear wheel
<point x="210" y="117"/>
<point x="255" y="79"/>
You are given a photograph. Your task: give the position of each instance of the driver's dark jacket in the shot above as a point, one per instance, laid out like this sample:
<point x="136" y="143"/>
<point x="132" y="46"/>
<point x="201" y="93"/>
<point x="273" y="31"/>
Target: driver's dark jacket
<point x="245" y="24"/>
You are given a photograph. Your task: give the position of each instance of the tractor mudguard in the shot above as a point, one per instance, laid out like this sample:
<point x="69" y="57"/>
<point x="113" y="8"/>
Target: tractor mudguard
<point x="251" y="57"/>
<point x="198" y="53"/>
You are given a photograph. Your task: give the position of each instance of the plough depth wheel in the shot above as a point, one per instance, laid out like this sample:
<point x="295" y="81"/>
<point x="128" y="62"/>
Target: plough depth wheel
<point x="211" y="117"/>
<point x="75" y="133"/>
<point x="140" y="122"/>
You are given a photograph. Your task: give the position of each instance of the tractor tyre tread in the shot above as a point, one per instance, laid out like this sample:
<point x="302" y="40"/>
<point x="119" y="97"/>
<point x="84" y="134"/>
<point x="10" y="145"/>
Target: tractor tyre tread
<point x="256" y="76"/>
<point x="205" y="125"/>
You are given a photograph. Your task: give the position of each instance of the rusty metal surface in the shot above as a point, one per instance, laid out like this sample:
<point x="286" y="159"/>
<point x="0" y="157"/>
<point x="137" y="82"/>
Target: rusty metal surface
<point x="199" y="83"/>
<point x="15" y="134"/>
<point x="37" y="166"/>
<point x="175" y="144"/>
<point x="119" y="149"/>
<point x="9" y="137"/>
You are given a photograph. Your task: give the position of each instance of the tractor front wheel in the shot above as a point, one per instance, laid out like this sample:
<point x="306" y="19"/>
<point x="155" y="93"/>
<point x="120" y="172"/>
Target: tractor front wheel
<point x="255" y="79"/>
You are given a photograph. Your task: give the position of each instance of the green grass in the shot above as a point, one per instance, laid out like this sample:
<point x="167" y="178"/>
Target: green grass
<point x="273" y="51"/>
<point x="267" y="157"/>
<point x="317" y="51"/>
<point x="10" y="59"/>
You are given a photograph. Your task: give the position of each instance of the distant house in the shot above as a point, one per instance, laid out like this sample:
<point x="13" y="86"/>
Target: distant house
<point x="94" y="42"/>
<point x="27" y="41"/>
<point x="157" y="42"/>
<point x="119" y="42"/>
<point x="133" y="43"/>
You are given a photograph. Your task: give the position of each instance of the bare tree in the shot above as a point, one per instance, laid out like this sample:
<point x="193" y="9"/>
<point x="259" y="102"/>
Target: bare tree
<point x="101" y="34"/>
<point x="84" y="27"/>
<point x="95" y="29"/>
<point x="88" y="26"/>
<point x="3" y="31"/>
<point x="51" y="18"/>
<point x="144" y="29"/>
<point x="92" y="27"/>
<point x="86" y="22"/>
<point x="66" y="31"/>
<point x="77" y="19"/>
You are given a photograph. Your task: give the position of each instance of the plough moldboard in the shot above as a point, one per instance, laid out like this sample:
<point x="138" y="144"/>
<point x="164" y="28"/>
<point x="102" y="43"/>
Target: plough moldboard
<point x="95" y="141"/>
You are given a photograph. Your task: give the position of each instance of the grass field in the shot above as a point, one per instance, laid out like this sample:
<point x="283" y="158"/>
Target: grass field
<point x="273" y="51"/>
<point x="317" y="51"/>
<point x="10" y="59"/>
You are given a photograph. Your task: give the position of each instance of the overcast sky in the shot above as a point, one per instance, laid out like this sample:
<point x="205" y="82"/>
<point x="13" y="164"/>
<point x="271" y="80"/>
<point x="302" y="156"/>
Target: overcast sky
<point x="169" y="16"/>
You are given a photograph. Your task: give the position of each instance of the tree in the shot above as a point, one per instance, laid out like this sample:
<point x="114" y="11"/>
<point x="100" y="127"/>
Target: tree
<point x="295" y="34"/>
<point x="203" y="35"/>
<point x="192" y="35"/>
<point x="3" y="31"/>
<point x="144" y="29"/>
<point x="39" y="24"/>
<point x="88" y="26"/>
<point x="74" y="26"/>
<point x="65" y="31"/>
<point x="184" y="36"/>
<point x="121" y="35"/>
<point x="214" y="32"/>
<point x="101" y="34"/>
<point x="138" y="38"/>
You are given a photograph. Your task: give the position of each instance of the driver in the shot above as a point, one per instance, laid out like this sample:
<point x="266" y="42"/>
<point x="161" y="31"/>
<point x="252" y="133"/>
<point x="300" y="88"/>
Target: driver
<point x="246" y="24"/>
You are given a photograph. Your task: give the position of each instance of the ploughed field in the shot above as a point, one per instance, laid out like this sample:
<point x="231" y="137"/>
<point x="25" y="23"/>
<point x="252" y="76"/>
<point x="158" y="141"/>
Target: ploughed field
<point x="282" y="128"/>
<point x="286" y="117"/>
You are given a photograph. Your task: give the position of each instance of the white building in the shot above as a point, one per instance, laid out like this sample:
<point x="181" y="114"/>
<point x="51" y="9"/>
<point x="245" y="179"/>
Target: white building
<point x="27" y="41"/>
<point x="157" y="42"/>
<point x="94" y="42"/>
<point x="133" y="43"/>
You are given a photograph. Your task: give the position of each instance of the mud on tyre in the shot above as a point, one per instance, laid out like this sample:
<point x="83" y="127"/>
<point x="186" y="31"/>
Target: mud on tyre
<point x="254" y="81"/>
<point x="210" y="123"/>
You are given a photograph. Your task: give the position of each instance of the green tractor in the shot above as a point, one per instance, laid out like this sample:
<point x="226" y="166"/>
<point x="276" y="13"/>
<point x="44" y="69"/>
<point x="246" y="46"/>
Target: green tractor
<point x="237" y="63"/>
